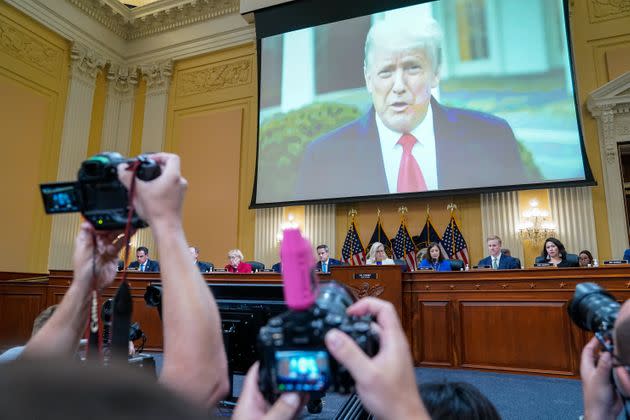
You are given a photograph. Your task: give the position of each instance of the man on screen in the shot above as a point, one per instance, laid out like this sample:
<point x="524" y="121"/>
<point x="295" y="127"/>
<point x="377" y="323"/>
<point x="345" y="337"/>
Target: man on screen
<point x="407" y="141"/>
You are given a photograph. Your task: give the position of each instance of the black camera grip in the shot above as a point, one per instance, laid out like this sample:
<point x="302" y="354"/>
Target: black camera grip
<point x="148" y="170"/>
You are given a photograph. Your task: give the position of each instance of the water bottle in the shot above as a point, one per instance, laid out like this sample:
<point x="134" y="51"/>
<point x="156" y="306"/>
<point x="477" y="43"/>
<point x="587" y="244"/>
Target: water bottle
<point x="595" y="262"/>
<point x="467" y="267"/>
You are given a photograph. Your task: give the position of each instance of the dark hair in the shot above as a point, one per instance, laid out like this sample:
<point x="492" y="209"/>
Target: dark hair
<point x="561" y="249"/>
<point x="427" y="256"/>
<point x="456" y="400"/>
<point x="63" y="389"/>
<point x="143" y="249"/>
<point x="588" y="254"/>
<point x="324" y="247"/>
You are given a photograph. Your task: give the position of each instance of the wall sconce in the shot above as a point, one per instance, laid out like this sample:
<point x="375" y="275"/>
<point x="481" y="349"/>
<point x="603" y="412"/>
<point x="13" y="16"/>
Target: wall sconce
<point x="536" y="225"/>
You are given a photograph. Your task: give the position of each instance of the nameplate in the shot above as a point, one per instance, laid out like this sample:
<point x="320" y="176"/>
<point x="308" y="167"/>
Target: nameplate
<point x="220" y="270"/>
<point x="425" y="268"/>
<point x="483" y="267"/>
<point x="266" y="270"/>
<point x="364" y="276"/>
<point x="607" y="262"/>
<point x="543" y="264"/>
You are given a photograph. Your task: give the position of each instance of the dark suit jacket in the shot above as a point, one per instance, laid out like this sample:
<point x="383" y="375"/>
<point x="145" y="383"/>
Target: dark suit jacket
<point x="473" y="149"/>
<point x="505" y="263"/>
<point x="151" y="266"/>
<point x="331" y="262"/>
<point x="570" y="261"/>
<point x="204" y="267"/>
<point x="277" y="267"/>
<point x="626" y="255"/>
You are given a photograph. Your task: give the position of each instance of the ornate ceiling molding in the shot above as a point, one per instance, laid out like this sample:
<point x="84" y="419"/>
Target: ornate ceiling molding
<point x="154" y="18"/>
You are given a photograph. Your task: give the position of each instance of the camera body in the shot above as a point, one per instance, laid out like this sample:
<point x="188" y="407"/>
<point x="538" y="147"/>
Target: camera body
<point x="98" y="194"/>
<point x="293" y="355"/>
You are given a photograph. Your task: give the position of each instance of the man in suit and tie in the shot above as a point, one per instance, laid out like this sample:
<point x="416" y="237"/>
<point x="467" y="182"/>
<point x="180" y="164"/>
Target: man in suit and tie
<point x="496" y="259"/>
<point x="143" y="263"/>
<point x="203" y="267"/>
<point x="324" y="262"/>
<point x="407" y="141"/>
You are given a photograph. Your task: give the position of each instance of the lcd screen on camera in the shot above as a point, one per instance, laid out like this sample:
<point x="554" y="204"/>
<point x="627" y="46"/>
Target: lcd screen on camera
<point x="61" y="197"/>
<point x="302" y="370"/>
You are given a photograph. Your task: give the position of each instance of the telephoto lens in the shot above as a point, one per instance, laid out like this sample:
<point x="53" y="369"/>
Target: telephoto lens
<point x="153" y="295"/>
<point x="593" y="308"/>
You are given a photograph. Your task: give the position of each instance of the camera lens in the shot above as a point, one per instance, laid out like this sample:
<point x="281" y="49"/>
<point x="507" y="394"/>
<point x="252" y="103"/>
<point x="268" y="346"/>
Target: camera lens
<point x="153" y="295"/>
<point x="593" y="308"/>
<point x="334" y="298"/>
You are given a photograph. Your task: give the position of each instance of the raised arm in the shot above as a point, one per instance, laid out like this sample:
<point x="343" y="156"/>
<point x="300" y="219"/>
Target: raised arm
<point x="195" y="365"/>
<point x="94" y="266"/>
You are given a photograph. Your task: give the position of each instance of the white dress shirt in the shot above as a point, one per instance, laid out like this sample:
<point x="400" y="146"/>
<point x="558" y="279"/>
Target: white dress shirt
<point x="424" y="151"/>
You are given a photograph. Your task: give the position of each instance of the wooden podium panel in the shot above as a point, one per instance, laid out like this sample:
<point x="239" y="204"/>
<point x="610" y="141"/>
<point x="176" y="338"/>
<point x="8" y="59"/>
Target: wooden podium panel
<point x="381" y="281"/>
<point x="501" y="320"/>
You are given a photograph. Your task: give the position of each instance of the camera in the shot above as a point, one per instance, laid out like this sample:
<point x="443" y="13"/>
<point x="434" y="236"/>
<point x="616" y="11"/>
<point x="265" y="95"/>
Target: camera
<point x="293" y="355"/>
<point x="98" y="194"/>
<point x="594" y="309"/>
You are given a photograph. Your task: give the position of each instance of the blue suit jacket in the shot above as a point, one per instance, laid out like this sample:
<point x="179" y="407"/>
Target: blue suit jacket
<point x="445" y="265"/>
<point x="151" y="266"/>
<point x="505" y="263"/>
<point x="331" y="262"/>
<point x="473" y="150"/>
<point x="626" y="255"/>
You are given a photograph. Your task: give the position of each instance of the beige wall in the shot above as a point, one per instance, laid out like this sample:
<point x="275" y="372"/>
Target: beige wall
<point x="211" y="122"/>
<point x="33" y="81"/>
<point x="600" y="40"/>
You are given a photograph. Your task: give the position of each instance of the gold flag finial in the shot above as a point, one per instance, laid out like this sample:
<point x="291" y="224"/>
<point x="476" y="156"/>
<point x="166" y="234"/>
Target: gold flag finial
<point x="403" y="210"/>
<point x="378" y="213"/>
<point x="451" y="207"/>
<point x="352" y="213"/>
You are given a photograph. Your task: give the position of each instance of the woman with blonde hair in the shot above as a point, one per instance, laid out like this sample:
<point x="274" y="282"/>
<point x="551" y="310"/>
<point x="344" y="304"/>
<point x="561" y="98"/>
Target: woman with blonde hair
<point x="377" y="255"/>
<point x="236" y="264"/>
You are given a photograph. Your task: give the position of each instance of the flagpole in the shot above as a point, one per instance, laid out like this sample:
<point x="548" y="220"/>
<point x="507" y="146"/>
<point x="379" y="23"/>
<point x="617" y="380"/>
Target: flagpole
<point x="452" y="206"/>
<point x="378" y="223"/>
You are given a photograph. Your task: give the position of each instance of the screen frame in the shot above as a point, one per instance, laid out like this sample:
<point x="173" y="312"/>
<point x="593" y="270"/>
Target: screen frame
<point x="282" y="18"/>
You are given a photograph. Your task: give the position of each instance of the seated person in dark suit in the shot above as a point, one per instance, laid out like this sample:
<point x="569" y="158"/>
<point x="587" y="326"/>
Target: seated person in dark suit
<point x="554" y="252"/>
<point x="626" y="255"/>
<point x="496" y="259"/>
<point x="506" y="251"/>
<point x="236" y="264"/>
<point x="203" y="267"/>
<point x="324" y="261"/>
<point x="586" y="258"/>
<point x="434" y="259"/>
<point x="277" y="267"/>
<point x="143" y="263"/>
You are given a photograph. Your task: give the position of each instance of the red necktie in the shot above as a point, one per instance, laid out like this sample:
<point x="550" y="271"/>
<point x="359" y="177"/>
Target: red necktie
<point x="410" y="178"/>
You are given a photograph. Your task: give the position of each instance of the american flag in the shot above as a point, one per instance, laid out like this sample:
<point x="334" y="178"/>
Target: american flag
<point x="404" y="248"/>
<point x="353" y="252"/>
<point x="454" y="242"/>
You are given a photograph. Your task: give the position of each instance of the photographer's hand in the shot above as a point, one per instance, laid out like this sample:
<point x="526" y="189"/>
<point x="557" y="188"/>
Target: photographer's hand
<point x="94" y="263"/>
<point x="386" y="382"/>
<point x="159" y="200"/>
<point x="601" y="401"/>
<point x="252" y="405"/>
